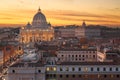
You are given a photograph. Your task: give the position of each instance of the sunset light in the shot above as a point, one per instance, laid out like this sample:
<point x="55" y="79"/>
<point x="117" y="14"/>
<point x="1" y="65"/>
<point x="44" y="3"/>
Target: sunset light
<point x="61" y="12"/>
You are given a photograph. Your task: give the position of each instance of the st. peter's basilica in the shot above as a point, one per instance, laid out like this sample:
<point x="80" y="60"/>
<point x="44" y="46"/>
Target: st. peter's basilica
<point x="39" y="30"/>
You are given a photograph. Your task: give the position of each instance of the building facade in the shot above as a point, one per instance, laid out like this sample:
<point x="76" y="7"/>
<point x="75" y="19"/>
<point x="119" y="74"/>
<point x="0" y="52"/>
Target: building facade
<point x="64" y="68"/>
<point x="40" y="30"/>
<point x="87" y="32"/>
<point x="65" y="71"/>
<point x="77" y="55"/>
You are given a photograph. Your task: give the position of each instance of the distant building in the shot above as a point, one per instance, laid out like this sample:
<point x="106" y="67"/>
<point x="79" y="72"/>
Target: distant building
<point x="10" y="50"/>
<point x="1" y="57"/>
<point x="110" y="32"/>
<point x="64" y="71"/>
<point x="9" y="34"/>
<point x="87" y="32"/>
<point x="40" y="30"/>
<point x="65" y="32"/>
<point x="77" y="55"/>
<point x="67" y="65"/>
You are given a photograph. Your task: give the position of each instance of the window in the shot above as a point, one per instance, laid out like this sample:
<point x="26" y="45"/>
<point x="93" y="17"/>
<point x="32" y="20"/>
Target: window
<point x="39" y="71"/>
<point x="116" y="69"/>
<point x="93" y="56"/>
<point x="13" y="71"/>
<point x="76" y="55"/>
<point x="69" y="55"/>
<point x="61" y="69"/>
<point x="61" y="76"/>
<point x="47" y="75"/>
<point x="80" y="76"/>
<point x="54" y="75"/>
<point x="110" y="69"/>
<point x="91" y="69"/>
<point x="79" y="69"/>
<point x="54" y="69"/>
<point x="67" y="76"/>
<point x="117" y="76"/>
<point x="73" y="69"/>
<point x="98" y="69"/>
<point x="20" y="48"/>
<point x="105" y="76"/>
<point x="48" y="69"/>
<point x="86" y="69"/>
<point x="50" y="75"/>
<point x="104" y="69"/>
<point x="67" y="69"/>
<point x="82" y="55"/>
<point x="73" y="76"/>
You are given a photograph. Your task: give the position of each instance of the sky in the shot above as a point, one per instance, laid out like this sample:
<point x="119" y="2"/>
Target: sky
<point x="61" y="12"/>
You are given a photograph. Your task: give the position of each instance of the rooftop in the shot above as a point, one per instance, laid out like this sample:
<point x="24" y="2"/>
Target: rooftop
<point x="22" y="64"/>
<point x="89" y="63"/>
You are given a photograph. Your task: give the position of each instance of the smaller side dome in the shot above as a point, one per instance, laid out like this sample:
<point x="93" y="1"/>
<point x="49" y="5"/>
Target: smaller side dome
<point x="28" y="25"/>
<point x="83" y="24"/>
<point x="49" y="24"/>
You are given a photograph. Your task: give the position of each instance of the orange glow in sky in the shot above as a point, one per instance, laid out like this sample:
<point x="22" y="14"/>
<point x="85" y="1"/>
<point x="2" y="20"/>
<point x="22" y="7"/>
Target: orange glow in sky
<point x="61" y="12"/>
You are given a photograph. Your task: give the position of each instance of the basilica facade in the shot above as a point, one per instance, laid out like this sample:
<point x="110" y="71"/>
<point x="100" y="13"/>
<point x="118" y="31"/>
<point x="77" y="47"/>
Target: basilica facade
<point x="38" y="31"/>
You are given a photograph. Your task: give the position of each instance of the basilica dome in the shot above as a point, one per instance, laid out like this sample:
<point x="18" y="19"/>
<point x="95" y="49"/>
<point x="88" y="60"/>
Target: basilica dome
<point x="39" y="20"/>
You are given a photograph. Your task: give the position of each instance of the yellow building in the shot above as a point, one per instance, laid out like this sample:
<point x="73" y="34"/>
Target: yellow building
<point x="40" y="30"/>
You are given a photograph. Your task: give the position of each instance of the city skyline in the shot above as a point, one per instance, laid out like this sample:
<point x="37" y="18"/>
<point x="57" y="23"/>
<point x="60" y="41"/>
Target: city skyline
<point x="61" y="12"/>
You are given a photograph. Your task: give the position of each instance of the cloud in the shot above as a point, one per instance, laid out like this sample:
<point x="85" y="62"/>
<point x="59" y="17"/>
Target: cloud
<point x="88" y="20"/>
<point x="53" y="16"/>
<point x="21" y="1"/>
<point x="7" y="18"/>
<point x="80" y="14"/>
<point x="115" y="9"/>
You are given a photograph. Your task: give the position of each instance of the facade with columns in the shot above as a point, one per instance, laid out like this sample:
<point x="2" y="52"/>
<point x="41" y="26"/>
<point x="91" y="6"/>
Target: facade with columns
<point x="39" y="30"/>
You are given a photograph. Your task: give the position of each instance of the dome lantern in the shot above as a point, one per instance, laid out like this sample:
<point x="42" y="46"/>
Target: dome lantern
<point x="39" y="10"/>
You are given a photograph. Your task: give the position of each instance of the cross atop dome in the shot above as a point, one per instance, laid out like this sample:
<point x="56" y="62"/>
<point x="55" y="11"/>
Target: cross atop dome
<point x="39" y="10"/>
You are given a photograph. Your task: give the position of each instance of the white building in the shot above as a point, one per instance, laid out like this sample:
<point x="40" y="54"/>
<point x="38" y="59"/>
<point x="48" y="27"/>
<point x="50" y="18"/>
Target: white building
<point x="107" y="56"/>
<point x="77" y="55"/>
